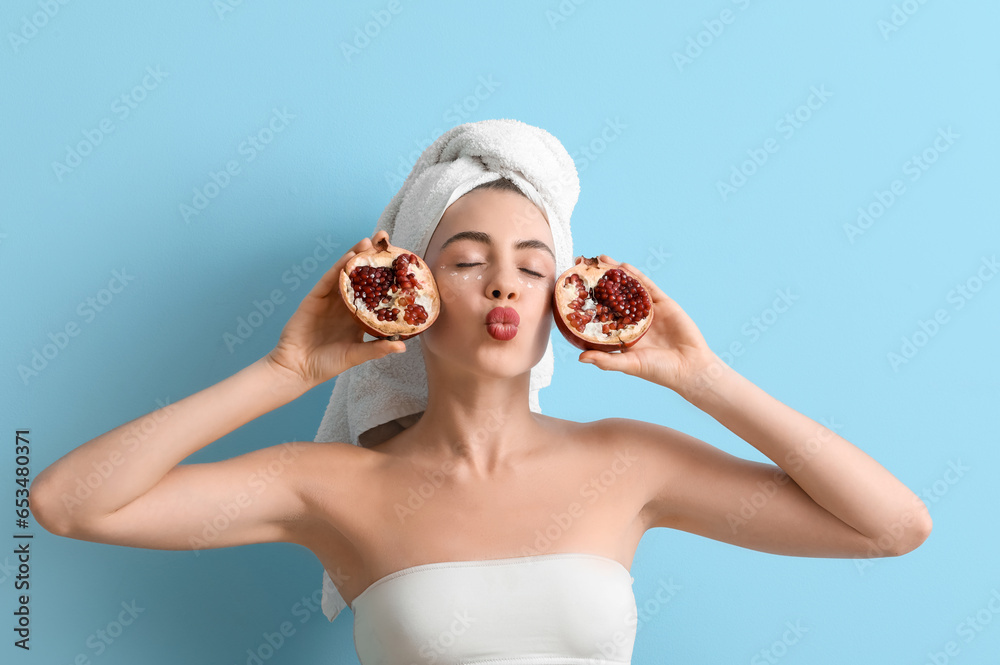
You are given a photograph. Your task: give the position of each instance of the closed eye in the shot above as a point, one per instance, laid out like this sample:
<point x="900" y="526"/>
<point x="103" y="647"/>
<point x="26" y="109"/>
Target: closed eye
<point x="470" y="265"/>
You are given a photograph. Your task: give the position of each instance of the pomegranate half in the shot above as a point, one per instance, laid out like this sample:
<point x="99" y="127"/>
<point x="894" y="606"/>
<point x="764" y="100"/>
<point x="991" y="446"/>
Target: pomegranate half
<point x="390" y="292"/>
<point x="601" y="307"/>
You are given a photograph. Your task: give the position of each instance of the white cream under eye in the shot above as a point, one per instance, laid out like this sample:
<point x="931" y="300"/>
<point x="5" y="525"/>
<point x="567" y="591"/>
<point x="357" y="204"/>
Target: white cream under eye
<point x="530" y="272"/>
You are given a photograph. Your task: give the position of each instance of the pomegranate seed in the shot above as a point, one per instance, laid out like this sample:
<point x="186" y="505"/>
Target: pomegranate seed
<point x="377" y="288"/>
<point x="415" y="314"/>
<point x="622" y="295"/>
<point x="371" y="284"/>
<point x="619" y="301"/>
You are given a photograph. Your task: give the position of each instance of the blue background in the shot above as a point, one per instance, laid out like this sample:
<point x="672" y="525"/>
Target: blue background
<point x="650" y="196"/>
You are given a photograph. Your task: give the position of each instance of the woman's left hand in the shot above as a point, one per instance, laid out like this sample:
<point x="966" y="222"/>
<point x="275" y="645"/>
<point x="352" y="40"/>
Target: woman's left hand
<point x="671" y="353"/>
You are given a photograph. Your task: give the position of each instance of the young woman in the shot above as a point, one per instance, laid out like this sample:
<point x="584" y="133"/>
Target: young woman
<point x="504" y="474"/>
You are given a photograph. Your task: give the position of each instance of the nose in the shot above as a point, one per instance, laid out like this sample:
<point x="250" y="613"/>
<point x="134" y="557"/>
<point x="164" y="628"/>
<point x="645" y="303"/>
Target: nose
<point x="503" y="286"/>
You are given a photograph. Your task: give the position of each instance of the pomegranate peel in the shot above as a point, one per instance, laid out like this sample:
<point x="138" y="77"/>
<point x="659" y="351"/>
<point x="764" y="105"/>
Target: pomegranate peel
<point x="601" y="307"/>
<point x="390" y="292"/>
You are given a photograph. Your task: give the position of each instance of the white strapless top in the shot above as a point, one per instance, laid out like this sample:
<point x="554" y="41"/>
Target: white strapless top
<point x="547" y="609"/>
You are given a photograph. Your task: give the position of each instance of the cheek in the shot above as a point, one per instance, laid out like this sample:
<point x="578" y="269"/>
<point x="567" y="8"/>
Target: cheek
<point x="455" y="288"/>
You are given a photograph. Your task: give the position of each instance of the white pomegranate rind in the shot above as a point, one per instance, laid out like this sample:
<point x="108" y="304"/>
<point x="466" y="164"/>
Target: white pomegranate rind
<point x="593" y="338"/>
<point x="382" y="256"/>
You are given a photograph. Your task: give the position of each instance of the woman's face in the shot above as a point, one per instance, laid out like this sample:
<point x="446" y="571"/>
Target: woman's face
<point x="492" y="249"/>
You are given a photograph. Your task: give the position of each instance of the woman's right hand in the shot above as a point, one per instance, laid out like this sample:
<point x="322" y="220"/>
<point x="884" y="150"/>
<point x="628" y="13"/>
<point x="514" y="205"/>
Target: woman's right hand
<point x="322" y="339"/>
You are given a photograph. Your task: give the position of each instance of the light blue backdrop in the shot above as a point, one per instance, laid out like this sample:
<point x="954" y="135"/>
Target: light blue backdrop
<point x="813" y="184"/>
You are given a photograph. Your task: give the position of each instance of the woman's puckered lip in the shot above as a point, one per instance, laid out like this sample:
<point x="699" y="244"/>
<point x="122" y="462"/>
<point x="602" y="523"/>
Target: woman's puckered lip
<point x="503" y="315"/>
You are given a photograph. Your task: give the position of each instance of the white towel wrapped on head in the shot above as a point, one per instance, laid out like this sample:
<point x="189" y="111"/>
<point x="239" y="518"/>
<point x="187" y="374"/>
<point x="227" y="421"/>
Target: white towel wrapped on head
<point x="391" y="391"/>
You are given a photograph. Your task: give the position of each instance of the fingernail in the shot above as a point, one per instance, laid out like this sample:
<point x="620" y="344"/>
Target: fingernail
<point x="589" y="361"/>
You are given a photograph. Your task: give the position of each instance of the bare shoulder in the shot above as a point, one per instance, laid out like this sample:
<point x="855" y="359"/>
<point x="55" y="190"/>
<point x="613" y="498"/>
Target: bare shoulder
<point x="656" y="455"/>
<point x="604" y="432"/>
<point x="329" y="466"/>
<point x="327" y="475"/>
<point x="623" y="433"/>
<point x="656" y="443"/>
<point x="621" y="442"/>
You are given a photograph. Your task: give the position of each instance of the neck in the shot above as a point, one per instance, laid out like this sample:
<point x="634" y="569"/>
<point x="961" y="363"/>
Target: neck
<point x="483" y="425"/>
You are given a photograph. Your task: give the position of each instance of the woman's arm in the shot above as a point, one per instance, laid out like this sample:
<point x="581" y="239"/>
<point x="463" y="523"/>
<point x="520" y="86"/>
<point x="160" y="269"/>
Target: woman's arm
<point x="836" y="474"/>
<point x="787" y="509"/>
<point x="115" y="468"/>
<point x="128" y="483"/>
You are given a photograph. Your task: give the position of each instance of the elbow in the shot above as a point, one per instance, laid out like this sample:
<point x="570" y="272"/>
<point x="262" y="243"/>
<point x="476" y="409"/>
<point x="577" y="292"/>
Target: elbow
<point x="47" y="512"/>
<point x="917" y="530"/>
<point x="922" y="530"/>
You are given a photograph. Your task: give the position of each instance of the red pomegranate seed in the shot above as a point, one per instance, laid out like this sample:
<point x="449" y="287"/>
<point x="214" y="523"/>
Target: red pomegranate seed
<point x="619" y="300"/>
<point x="415" y="314"/>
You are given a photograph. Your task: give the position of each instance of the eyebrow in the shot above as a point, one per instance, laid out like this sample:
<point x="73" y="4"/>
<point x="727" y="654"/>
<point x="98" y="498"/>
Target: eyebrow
<point x="484" y="238"/>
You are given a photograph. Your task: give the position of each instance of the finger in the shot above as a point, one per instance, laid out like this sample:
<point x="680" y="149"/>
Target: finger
<point x="366" y="351"/>
<point x="607" y="259"/>
<point x="655" y="291"/>
<point x="363" y="244"/>
<point x="619" y="362"/>
<point x="329" y="282"/>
